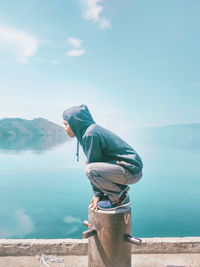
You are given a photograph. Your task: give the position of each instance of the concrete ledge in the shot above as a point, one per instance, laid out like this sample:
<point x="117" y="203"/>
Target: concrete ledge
<point x="168" y="245"/>
<point x="30" y="247"/>
<point x="67" y="247"/>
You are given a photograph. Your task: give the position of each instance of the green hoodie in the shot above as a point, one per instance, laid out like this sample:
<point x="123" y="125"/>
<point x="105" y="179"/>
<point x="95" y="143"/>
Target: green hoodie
<point x="98" y="143"/>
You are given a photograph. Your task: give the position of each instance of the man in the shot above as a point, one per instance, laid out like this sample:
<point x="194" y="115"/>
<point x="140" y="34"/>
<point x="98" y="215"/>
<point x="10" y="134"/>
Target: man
<point x="111" y="163"/>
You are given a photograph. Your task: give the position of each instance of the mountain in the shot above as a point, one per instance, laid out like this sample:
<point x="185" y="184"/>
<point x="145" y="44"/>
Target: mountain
<point x="16" y="127"/>
<point x="186" y="136"/>
<point x="37" y="134"/>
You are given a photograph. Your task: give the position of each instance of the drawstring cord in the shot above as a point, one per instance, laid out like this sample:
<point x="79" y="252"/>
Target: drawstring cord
<point x="77" y="153"/>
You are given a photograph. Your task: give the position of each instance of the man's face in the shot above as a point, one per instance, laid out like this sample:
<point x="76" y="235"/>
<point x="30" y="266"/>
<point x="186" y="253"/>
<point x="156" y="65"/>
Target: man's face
<point x="68" y="129"/>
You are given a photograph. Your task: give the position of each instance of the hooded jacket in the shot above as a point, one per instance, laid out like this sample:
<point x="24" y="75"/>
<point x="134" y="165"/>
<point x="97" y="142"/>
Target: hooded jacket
<point x="98" y="143"/>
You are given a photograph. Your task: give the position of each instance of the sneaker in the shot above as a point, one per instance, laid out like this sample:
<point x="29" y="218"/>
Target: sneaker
<point x="103" y="197"/>
<point x="125" y="188"/>
<point x="108" y="205"/>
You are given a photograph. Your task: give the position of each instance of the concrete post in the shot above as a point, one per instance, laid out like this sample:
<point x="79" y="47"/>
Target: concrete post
<point x="109" y="233"/>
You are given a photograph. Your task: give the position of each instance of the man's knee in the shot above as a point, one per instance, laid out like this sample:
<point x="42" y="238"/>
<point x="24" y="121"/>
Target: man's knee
<point x="136" y="178"/>
<point x="89" y="168"/>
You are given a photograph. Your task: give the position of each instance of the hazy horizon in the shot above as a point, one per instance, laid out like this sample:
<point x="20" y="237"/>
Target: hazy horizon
<point x="61" y="123"/>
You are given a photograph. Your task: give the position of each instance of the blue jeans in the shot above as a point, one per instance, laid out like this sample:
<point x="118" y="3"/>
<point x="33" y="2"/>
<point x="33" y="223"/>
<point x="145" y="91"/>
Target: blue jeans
<point x="110" y="179"/>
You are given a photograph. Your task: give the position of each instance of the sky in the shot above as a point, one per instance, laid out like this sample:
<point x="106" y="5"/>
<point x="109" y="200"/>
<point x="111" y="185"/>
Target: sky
<point x="134" y="63"/>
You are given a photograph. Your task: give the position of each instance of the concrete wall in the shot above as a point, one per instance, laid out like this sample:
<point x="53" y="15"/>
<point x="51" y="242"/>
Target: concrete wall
<point x="30" y="247"/>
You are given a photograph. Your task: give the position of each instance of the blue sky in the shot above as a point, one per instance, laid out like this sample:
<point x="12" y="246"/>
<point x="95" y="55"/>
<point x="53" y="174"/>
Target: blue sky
<point x="134" y="63"/>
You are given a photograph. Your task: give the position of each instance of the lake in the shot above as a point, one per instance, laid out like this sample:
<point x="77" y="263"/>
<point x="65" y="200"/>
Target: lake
<point x="45" y="194"/>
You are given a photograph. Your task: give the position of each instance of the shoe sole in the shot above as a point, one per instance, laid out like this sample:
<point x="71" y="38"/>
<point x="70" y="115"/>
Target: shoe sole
<point x="114" y="208"/>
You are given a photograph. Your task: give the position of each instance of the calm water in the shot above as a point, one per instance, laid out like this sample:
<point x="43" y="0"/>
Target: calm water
<point x="44" y="193"/>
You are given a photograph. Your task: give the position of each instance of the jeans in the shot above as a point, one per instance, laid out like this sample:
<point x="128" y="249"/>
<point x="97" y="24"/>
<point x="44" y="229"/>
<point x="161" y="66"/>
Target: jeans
<point x="110" y="179"/>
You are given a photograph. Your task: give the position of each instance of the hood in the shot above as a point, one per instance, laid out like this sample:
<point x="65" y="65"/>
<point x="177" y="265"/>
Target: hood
<point x="79" y="119"/>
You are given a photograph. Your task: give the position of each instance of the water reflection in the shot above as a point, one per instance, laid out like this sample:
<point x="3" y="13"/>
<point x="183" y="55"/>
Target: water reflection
<point x="73" y="224"/>
<point x="37" y="143"/>
<point x="18" y="224"/>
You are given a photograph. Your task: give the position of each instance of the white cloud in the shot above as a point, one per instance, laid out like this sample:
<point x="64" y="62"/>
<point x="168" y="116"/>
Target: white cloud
<point x="104" y="23"/>
<point x="17" y="43"/>
<point x="75" y="43"/>
<point x="75" y="52"/>
<point x="93" y="12"/>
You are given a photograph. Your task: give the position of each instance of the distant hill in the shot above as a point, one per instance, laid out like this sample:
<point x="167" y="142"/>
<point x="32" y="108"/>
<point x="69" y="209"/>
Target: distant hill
<point x="37" y="134"/>
<point x="16" y="127"/>
<point x="185" y="136"/>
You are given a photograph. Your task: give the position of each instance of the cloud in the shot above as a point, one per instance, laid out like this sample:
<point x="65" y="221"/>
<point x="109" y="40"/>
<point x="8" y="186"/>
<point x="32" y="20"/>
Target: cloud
<point x="74" y="42"/>
<point x="77" y="49"/>
<point x="104" y="23"/>
<point x="17" y="43"/>
<point x="93" y="12"/>
<point x="75" y="52"/>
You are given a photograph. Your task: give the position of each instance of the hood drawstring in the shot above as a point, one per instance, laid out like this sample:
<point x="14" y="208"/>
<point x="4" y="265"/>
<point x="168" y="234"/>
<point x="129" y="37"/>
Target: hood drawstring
<point x="77" y="153"/>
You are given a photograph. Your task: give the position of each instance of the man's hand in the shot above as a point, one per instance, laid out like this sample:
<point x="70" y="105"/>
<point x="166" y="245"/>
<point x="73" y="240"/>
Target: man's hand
<point x="93" y="203"/>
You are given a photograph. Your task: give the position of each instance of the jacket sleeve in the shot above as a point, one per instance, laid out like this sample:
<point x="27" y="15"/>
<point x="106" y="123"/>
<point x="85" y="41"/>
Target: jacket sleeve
<point x="92" y="149"/>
